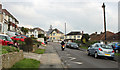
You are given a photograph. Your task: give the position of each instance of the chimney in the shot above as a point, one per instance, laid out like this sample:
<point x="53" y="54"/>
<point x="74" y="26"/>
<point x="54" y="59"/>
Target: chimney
<point x="82" y="32"/>
<point x="96" y="33"/>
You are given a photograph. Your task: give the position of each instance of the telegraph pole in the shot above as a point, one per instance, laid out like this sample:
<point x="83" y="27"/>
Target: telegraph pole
<point x="65" y="31"/>
<point x="103" y="6"/>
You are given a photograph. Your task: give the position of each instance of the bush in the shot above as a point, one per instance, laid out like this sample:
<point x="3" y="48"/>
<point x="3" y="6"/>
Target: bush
<point x="28" y="46"/>
<point x="7" y="49"/>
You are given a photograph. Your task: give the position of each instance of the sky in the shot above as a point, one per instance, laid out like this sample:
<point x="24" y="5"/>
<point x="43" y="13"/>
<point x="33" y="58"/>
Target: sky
<point x="79" y="15"/>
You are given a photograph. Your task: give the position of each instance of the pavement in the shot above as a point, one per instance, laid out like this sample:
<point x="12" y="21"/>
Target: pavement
<point x="50" y="58"/>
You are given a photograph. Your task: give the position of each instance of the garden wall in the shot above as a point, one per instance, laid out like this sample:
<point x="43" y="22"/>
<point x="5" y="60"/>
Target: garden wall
<point x="9" y="59"/>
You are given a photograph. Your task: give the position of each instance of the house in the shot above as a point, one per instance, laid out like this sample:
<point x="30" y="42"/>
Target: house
<point x="74" y="35"/>
<point x="8" y="21"/>
<point x="0" y="18"/>
<point x="55" y="35"/>
<point x="101" y="36"/>
<point x="36" y="32"/>
<point x="115" y="37"/>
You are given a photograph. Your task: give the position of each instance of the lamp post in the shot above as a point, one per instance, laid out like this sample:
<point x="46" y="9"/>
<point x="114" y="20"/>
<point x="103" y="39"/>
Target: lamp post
<point x="103" y="6"/>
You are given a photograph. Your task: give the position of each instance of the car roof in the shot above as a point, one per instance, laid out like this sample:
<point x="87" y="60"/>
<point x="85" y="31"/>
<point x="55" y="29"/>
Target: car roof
<point x="3" y="35"/>
<point x="98" y="43"/>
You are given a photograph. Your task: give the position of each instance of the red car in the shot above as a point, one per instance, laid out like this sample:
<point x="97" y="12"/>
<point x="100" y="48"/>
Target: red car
<point x="21" y="38"/>
<point x="5" y="40"/>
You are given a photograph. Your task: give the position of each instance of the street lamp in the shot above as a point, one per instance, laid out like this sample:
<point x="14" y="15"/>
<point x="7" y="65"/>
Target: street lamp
<point x="103" y="6"/>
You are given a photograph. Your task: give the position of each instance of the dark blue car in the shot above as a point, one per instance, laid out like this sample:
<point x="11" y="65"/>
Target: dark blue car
<point x="115" y="45"/>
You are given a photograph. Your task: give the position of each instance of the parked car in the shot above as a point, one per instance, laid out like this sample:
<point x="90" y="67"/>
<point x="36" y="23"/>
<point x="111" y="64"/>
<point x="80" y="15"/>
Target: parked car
<point x="115" y="46"/>
<point x="72" y="45"/>
<point x="11" y="34"/>
<point x="19" y="37"/>
<point x="68" y="44"/>
<point x="6" y="40"/>
<point x="99" y="49"/>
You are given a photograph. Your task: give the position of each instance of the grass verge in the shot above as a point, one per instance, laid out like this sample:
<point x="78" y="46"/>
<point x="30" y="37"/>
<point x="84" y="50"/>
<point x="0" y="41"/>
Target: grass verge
<point x="84" y="47"/>
<point x="40" y="51"/>
<point x="26" y="64"/>
<point x="117" y="54"/>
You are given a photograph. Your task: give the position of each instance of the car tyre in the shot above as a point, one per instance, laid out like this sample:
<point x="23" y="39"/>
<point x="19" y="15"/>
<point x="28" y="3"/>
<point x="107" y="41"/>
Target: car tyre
<point x="96" y="55"/>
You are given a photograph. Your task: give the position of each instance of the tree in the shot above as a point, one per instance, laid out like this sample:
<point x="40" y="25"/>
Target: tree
<point x="24" y="30"/>
<point x="85" y="38"/>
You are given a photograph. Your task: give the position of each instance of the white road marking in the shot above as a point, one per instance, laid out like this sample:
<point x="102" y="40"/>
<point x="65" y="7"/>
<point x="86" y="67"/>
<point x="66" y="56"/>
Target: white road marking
<point x="78" y="62"/>
<point x="68" y="54"/>
<point x="72" y="58"/>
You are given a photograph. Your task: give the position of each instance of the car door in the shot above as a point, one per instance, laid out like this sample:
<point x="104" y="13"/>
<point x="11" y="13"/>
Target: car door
<point x="95" y="48"/>
<point x="92" y="49"/>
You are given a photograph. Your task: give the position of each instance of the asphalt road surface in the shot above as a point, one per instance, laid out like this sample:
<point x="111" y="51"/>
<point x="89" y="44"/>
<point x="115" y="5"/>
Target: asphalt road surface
<point x="73" y="58"/>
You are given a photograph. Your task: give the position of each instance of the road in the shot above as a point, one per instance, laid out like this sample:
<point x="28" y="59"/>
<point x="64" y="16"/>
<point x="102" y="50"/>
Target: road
<point x="73" y="58"/>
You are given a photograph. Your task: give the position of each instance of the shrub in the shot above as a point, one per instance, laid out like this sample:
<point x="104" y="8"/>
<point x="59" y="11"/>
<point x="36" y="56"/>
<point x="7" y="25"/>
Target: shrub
<point x="7" y="49"/>
<point x="28" y="46"/>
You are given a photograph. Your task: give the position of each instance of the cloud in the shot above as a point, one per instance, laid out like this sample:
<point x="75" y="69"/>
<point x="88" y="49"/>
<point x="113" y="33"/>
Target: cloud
<point x="79" y="15"/>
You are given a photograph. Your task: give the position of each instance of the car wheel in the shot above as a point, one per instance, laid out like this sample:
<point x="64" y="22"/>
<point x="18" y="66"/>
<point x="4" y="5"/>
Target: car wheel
<point x="96" y="55"/>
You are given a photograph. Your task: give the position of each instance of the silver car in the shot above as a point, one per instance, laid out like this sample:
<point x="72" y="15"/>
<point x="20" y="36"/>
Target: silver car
<point x="99" y="49"/>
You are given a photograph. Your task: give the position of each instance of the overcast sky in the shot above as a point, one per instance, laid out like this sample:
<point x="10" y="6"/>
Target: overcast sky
<point x="79" y="15"/>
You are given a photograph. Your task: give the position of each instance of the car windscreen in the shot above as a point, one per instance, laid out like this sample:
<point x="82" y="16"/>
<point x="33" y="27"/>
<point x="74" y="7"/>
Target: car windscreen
<point x="9" y="39"/>
<point x="2" y="37"/>
<point x="106" y="46"/>
<point x="73" y="44"/>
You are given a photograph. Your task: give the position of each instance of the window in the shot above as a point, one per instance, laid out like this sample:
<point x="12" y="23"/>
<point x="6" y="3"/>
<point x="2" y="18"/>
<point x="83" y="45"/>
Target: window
<point x="17" y="37"/>
<point x="53" y="37"/>
<point x="3" y="37"/>
<point x="74" y="37"/>
<point x="70" y="37"/>
<point x="50" y="38"/>
<point x="96" y="45"/>
<point x="78" y="36"/>
<point x="53" y="34"/>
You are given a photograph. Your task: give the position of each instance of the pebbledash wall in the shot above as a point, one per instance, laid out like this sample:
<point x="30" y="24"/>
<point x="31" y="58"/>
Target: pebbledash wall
<point x="9" y="59"/>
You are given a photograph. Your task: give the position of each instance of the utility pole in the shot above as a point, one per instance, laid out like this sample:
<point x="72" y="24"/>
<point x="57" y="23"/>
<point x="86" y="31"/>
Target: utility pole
<point x="103" y="6"/>
<point x="65" y="31"/>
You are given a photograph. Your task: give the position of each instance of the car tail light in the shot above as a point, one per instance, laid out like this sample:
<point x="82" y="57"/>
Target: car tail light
<point x="100" y="49"/>
<point x="113" y="51"/>
<point x="114" y="46"/>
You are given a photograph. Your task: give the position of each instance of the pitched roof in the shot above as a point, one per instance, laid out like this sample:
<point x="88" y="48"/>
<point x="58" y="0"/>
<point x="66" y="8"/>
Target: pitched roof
<point x="98" y="37"/>
<point x="39" y="29"/>
<point x="9" y="14"/>
<point x="74" y="33"/>
<point x="58" y="31"/>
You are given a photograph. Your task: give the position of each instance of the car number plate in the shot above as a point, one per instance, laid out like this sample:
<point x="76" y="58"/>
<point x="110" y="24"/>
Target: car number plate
<point x="107" y="54"/>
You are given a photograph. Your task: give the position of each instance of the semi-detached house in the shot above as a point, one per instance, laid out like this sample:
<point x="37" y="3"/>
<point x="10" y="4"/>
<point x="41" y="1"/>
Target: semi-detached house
<point x="7" y="21"/>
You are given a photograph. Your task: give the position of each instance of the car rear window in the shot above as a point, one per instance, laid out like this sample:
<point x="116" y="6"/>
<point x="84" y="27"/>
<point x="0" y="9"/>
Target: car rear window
<point x="106" y="46"/>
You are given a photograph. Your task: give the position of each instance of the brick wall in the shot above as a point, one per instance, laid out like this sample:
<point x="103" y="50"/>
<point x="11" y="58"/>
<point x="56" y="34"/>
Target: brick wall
<point x="8" y="60"/>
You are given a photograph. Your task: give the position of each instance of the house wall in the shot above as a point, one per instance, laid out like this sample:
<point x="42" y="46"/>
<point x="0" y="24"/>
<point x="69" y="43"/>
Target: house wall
<point x="55" y="36"/>
<point x="5" y="28"/>
<point x="35" y="33"/>
<point x="74" y="37"/>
